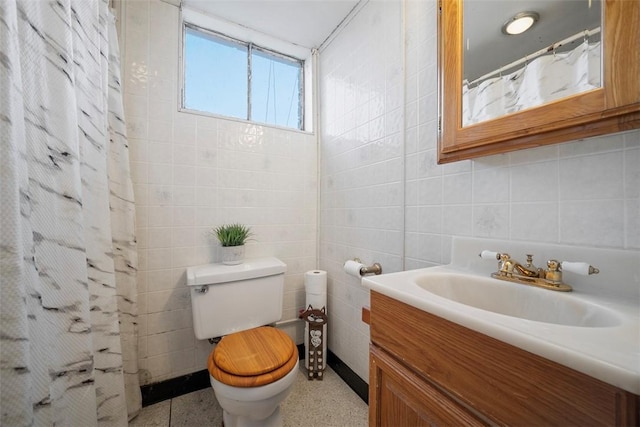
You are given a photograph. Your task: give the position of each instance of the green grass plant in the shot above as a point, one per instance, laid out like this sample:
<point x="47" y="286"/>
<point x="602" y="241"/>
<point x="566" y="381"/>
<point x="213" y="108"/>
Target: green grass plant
<point x="232" y="234"/>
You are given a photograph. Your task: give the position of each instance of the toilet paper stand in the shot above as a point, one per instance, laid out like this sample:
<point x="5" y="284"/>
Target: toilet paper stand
<point x="314" y="340"/>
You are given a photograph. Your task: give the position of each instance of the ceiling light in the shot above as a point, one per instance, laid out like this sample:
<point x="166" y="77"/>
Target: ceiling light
<point x="520" y="23"/>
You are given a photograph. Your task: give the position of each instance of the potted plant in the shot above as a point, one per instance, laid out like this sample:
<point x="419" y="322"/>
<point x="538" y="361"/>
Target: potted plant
<point x="232" y="237"/>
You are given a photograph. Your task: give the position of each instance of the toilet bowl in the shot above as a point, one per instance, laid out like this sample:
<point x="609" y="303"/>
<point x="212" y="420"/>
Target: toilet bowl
<point x="252" y="372"/>
<point x="253" y="367"/>
<point x="258" y="406"/>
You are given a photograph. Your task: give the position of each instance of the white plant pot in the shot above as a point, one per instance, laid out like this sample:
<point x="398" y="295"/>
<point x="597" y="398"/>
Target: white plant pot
<point x="232" y="255"/>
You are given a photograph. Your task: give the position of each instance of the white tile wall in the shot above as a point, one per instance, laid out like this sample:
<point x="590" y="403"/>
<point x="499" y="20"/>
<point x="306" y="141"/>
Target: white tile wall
<point x="582" y="192"/>
<point x="362" y="162"/>
<point x="194" y="172"/>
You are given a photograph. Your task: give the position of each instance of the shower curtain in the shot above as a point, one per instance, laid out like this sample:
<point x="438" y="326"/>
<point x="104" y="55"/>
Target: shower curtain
<point x="68" y="259"/>
<point x="544" y="79"/>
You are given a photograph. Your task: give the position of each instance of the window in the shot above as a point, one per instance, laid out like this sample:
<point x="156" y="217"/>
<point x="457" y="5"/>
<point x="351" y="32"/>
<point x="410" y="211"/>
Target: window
<point x="232" y="78"/>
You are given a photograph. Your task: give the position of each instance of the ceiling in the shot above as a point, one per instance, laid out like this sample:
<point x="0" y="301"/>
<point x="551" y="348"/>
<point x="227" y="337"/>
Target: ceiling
<point x="489" y="49"/>
<point x="306" y="23"/>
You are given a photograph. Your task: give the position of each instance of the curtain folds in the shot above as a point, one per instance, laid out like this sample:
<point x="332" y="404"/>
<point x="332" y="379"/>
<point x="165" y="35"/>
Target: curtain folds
<point x="68" y="341"/>
<point x="544" y="79"/>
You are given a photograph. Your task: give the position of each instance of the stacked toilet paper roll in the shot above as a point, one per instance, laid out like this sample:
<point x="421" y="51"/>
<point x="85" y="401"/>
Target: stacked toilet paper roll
<point x="315" y="286"/>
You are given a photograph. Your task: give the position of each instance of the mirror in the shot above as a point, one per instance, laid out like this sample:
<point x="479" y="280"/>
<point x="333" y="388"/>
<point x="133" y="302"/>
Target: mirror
<point x="610" y="104"/>
<point x="559" y="55"/>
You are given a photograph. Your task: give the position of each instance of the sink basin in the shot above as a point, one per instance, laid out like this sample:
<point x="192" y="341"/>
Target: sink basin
<point x="520" y="301"/>
<point x="594" y="330"/>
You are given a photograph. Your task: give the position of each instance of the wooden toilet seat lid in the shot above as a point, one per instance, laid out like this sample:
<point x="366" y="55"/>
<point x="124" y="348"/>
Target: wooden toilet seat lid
<point x="252" y="358"/>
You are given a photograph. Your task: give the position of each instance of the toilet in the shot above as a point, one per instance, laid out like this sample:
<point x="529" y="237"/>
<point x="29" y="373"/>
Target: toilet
<point x="254" y="366"/>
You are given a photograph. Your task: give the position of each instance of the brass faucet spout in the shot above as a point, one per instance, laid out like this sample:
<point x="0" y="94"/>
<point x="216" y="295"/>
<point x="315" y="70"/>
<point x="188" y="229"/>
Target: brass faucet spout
<point x="524" y="271"/>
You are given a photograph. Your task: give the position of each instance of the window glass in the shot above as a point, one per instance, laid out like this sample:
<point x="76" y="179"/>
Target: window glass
<point x="215" y="75"/>
<point x="218" y="71"/>
<point x="275" y="89"/>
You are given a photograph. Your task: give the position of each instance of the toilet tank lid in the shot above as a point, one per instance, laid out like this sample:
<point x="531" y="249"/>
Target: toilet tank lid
<point x="209" y="274"/>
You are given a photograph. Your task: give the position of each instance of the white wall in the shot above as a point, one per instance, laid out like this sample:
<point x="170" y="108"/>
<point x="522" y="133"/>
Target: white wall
<point x="362" y="171"/>
<point x="578" y="193"/>
<point x="192" y="173"/>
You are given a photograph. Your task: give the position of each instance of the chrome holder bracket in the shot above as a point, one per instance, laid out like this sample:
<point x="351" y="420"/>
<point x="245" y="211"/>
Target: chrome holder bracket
<point x="202" y="289"/>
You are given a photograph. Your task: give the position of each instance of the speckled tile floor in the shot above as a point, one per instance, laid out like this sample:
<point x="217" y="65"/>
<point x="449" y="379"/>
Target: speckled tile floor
<point x="327" y="403"/>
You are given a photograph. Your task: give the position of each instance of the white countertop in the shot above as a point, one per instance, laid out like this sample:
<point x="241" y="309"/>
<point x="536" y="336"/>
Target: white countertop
<point x="609" y="353"/>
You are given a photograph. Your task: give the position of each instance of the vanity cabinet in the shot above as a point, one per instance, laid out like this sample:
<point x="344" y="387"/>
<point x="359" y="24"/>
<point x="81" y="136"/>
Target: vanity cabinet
<point x="425" y="370"/>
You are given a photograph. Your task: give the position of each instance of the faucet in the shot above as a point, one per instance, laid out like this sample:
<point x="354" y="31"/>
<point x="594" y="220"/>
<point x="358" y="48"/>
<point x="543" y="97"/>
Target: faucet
<point x="510" y="266"/>
<point x="528" y="274"/>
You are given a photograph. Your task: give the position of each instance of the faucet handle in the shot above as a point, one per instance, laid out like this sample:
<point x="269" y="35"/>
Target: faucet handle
<point x="581" y="268"/>
<point x="489" y="255"/>
<point x="553" y="273"/>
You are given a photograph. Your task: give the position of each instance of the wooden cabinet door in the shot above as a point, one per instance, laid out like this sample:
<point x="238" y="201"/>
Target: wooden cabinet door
<point x="397" y="397"/>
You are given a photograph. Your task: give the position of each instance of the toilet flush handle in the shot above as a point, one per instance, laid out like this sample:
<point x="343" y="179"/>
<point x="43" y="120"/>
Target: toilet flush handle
<point x="202" y="289"/>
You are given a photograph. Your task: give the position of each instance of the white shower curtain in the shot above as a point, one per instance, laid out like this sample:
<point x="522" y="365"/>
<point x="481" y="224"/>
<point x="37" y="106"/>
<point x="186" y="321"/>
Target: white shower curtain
<point x="67" y="247"/>
<point x="544" y="79"/>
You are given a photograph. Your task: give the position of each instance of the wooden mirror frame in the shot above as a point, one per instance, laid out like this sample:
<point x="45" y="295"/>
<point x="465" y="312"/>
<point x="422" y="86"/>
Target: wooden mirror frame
<point x="612" y="108"/>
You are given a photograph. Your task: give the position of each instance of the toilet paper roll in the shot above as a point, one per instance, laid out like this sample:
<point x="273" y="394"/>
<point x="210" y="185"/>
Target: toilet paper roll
<point x="315" y="282"/>
<point x="315" y="286"/>
<point x="576" y="267"/>
<point x="316" y="301"/>
<point x="353" y="268"/>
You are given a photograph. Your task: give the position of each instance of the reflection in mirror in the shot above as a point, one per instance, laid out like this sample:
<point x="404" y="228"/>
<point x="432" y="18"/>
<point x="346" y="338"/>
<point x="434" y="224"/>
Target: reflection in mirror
<point x="559" y="56"/>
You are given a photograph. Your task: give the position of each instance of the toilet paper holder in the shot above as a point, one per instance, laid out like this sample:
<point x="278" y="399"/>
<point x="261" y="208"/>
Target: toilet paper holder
<point x="376" y="268"/>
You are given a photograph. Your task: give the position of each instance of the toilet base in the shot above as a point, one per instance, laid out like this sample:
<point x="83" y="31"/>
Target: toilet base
<point x="254" y="406"/>
<point x="273" y="420"/>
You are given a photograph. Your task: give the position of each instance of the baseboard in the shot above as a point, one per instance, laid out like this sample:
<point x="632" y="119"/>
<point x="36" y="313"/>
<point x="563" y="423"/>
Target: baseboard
<point x="353" y="380"/>
<point x="174" y="387"/>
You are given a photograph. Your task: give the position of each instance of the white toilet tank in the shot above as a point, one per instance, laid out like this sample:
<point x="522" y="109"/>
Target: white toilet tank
<point x="232" y="298"/>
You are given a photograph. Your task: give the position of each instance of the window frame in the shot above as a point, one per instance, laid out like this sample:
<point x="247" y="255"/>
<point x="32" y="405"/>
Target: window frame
<point x="231" y="35"/>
